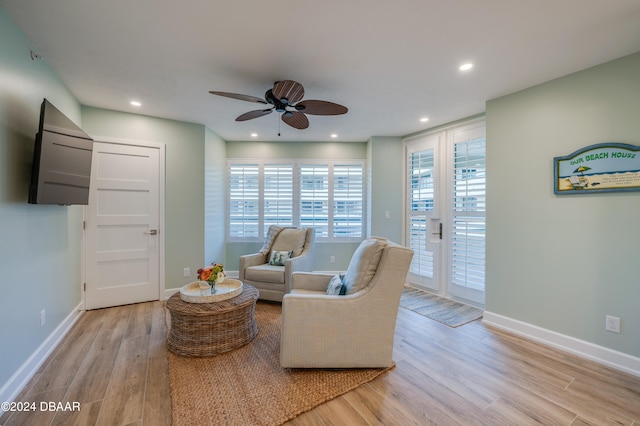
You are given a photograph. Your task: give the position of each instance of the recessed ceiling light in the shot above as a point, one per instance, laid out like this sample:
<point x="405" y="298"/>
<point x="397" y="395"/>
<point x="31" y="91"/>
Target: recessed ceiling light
<point x="254" y="135"/>
<point x="424" y="119"/>
<point x="136" y="103"/>
<point x="466" y="67"/>
<point x="334" y="135"/>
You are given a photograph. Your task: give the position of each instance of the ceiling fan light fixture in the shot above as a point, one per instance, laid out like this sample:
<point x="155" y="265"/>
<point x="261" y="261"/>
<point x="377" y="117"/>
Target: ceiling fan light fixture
<point x="286" y="98"/>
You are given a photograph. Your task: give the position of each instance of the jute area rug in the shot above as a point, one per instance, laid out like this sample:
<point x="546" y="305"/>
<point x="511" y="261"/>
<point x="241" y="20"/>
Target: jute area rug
<point x="446" y="311"/>
<point x="247" y="386"/>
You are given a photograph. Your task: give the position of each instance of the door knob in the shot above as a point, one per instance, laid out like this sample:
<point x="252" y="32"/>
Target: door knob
<point x="151" y="232"/>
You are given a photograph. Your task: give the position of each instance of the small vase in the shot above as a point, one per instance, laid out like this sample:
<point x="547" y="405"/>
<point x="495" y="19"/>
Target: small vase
<point x="205" y="288"/>
<point x="213" y="287"/>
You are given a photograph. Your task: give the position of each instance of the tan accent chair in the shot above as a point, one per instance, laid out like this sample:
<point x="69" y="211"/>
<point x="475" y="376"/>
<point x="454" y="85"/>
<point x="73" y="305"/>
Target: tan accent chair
<point x="274" y="281"/>
<point x="355" y="330"/>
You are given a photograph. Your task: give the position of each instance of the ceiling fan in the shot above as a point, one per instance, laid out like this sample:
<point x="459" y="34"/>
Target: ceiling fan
<point x="286" y="98"/>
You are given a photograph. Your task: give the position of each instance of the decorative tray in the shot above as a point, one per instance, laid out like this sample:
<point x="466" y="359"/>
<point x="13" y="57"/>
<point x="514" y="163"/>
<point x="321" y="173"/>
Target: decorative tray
<point x="227" y="289"/>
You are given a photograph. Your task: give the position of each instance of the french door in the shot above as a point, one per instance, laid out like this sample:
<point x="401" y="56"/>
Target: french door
<point x="446" y="210"/>
<point x="423" y="217"/>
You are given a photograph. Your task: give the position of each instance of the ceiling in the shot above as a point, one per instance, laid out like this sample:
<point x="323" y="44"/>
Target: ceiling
<point x="390" y="63"/>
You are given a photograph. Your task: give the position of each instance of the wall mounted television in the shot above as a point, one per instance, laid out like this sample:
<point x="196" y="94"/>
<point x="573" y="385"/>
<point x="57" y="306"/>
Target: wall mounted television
<point x="61" y="160"/>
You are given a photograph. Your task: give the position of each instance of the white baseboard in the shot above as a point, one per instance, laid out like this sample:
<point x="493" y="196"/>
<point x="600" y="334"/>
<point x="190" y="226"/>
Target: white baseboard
<point x="600" y="354"/>
<point x="168" y="292"/>
<point x="21" y="377"/>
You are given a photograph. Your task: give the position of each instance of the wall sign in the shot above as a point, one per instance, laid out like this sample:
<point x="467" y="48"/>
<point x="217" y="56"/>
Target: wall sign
<point x="604" y="167"/>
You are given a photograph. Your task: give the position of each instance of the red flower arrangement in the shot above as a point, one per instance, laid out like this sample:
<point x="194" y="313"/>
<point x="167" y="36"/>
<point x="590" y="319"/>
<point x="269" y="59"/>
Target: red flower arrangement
<point x="212" y="274"/>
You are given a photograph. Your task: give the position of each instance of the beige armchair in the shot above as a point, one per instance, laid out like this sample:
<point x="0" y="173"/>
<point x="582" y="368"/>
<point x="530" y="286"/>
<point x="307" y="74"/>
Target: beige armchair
<point x="285" y="251"/>
<point x="349" y="331"/>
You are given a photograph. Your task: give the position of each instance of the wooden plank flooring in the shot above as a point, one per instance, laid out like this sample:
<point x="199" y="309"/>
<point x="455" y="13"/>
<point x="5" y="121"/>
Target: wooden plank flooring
<point x="113" y="362"/>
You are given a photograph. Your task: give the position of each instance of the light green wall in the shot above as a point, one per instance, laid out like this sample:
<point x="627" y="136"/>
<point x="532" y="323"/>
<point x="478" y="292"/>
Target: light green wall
<point x="184" y="179"/>
<point x="39" y="244"/>
<point x="564" y="262"/>
<point x="385" y="160"/>
<point x="328" y="150"/>
<point x="215" y="184"/>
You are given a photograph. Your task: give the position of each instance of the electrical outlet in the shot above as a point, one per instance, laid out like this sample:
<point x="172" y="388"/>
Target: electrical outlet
<point x="612" y="324"/>
<point x="332" y="259"/>
<point x="43" y="317"/>
<point x="186" y="272"/>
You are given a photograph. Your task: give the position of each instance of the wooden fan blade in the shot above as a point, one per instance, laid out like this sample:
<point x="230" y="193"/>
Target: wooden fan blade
<point x="295" y="119"/>
<point x="288" y="89"/>
<point x="254" y="114"/>
<point x="239" y="96"/>
<point x="315" y="107"/>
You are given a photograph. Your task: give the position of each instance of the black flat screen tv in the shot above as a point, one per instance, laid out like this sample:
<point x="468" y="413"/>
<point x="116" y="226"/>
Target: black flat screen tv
<point x="61" y="160"/>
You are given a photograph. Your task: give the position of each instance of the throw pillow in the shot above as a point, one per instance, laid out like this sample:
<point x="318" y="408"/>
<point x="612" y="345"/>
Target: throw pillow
<point x="336" y="287"/>
<point x="272" y="234"/>
<point x="278" y="257"/>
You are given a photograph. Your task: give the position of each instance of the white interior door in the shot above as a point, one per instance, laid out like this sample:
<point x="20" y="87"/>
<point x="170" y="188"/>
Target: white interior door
<point x="423" y="226"/>
<point x="122" y="251"/>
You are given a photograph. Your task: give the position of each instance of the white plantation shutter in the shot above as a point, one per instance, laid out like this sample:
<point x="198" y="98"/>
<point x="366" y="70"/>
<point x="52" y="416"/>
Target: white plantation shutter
<point x="329" y="196"/>
<point x="244" y="200"/>
<point x="421" y="203"/>
<point x="314" y="198"/>
<point x="278" y="195"/>
<point x="348" y="183"/>
<point x="468" y="231"/>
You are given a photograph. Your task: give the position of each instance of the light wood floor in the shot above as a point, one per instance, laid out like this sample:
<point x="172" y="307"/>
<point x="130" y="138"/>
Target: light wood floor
<point x="114" y="363"/>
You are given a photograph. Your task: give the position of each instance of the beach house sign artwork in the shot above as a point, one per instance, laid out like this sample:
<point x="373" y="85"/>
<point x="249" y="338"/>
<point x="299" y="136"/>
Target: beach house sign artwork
<point x="604" y="167"/>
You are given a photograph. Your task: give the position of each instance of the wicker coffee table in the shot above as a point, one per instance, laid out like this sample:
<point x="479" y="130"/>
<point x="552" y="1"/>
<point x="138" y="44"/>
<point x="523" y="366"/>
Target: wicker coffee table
<point x="209" y="329"/>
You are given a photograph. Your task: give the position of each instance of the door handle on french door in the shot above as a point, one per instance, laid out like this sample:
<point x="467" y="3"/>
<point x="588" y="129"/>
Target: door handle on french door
<point x="435" y="225"/>
<point x="151" y="232"/>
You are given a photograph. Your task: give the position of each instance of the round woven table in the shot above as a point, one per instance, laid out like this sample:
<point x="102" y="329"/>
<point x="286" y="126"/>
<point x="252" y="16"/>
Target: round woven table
<point x="209" y="329"/>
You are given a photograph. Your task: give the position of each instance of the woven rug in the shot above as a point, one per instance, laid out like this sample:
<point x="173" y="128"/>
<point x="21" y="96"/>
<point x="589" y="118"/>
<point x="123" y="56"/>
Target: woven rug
<point x="247" y="386"/>
<point x="443" y="310"/>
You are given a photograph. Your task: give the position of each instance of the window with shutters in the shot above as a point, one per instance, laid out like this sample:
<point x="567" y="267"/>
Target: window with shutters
<point x="469" y="212"/>
<point x="421" y="201"/>
<point x="327" y="195"/>
<point x="244" y="200"/>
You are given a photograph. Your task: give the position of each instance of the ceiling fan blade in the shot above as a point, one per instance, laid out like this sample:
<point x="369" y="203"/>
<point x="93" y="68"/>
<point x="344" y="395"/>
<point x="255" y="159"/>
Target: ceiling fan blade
<point x="254" y="114"/>
<point x="288" y="89"/>
<point x="239" y="96"/>
<point x="315" y="107"/>
<point x="295" y="119"/>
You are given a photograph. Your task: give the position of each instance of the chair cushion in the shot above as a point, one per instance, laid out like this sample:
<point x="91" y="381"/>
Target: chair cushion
<point x="290" y="239"/>
<point x="278" y="257"/>
<point x="364" y="264"/>
<point x="265" y="273"/>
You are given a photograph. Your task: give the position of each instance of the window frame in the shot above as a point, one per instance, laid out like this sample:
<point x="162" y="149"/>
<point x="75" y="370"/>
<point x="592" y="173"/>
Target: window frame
<point x="297" y="209"/>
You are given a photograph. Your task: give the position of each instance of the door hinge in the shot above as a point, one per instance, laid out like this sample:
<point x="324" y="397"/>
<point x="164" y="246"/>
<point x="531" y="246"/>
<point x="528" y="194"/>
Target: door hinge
<point x="440" y="230"/>
<point x="84" y="224"/>
<point x="85" y="287"/>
